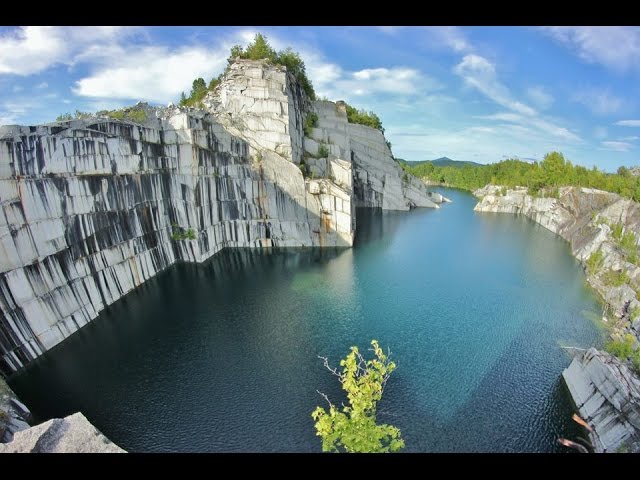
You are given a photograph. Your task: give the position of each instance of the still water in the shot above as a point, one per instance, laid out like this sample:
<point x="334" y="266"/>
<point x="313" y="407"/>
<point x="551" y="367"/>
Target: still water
<point x="223" y="356"/>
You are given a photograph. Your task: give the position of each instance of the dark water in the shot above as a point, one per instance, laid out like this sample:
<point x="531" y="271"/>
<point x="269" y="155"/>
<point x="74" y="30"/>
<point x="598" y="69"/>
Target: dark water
<point x="223" y="356"/>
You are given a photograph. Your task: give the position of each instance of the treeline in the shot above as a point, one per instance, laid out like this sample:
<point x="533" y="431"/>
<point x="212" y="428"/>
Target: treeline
<point x="552" y="172"/>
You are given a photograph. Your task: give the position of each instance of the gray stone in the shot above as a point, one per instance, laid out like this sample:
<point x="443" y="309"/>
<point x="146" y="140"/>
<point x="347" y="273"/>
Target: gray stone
<point x="607" y="396"/>
<point x="92" y="208"/>
<point x="605" y="391"/>
<point x="72" y="434"/>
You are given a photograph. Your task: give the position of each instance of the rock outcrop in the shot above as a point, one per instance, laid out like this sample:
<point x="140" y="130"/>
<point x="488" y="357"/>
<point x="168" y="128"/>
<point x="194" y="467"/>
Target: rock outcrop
<point x="93" y="208"/>
<point x="607" y="395"/>
<point x="14" y="415"/>
<point x="604" y="389"/>
<point x="584" y="217"/>
<point x="72" y="434"/>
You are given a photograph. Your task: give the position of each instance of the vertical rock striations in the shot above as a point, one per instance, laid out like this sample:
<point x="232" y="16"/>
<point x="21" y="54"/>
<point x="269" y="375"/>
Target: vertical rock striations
<point x="605" y="390"/>
<point x="607" y="395"/>
<point x="93" y="208"/>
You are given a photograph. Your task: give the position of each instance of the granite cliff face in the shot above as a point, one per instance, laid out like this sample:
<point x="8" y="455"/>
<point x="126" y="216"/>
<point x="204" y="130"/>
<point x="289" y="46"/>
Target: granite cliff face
<point x="607" y="395"/>
<point x="93" y="208"/>
<point x="605" y="391"/>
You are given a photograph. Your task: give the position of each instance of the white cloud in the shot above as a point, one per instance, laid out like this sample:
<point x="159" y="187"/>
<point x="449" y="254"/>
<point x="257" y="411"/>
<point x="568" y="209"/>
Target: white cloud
<point x="629" y="123"/>
<point x="449" y="37"/>
<point x="503" y="117"/>
<point x="618" y="146"/>
<point x="142" y="73"/>
<point x="540" y="97"/>
<point x="330" y="80"/>
<point x="389" y="30"/>
<point x="599" y="101"/>
<point x="17" y="88"/>
<point x="617" y="48"/>
<point x="632" y="138"/>
<point x="7" y="118"/>
<point x="396" y="80"/>
<point x="29" y="50"/>
<point x="479" y="73"/>
<point x="600" y="132"/>
<point x="42" y="85"/>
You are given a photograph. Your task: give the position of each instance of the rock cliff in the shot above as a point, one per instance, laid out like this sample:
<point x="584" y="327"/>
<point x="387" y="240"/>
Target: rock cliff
<point x="605" y="391"/>
<point x="72" y="434"/>
<point x="607" y="395"/>
<point x="13" y="413"/>
<point x="93" y="208"/>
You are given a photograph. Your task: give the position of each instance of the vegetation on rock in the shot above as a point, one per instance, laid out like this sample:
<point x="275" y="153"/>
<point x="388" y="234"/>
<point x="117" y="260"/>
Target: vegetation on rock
<point x="363" y="117"/>
<point x="353" y="428"/>
<point x="179" y="233"/>
<point x="259" y="49"/>
<point x="539" y="177"/>
<point x="623" y="349"/>
<point x="135" y="114"/>
<point x="310" y="122"/>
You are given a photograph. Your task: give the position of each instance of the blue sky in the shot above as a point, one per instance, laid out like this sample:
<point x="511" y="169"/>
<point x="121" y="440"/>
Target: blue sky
<point x="469" y="93"/>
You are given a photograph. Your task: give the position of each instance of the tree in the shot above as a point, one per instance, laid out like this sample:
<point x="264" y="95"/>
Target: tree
<point x="259" y="49"/>
<point x="354" y="429"/>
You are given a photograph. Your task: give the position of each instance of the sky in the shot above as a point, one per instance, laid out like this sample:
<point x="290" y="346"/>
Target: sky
<point x="469" y="93"/>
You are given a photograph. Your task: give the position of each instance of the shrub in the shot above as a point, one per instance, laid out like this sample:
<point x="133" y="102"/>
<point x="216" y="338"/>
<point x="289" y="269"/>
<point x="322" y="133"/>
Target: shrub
<point x="323" y="151"/>
<point x="594" y="262"/>
<point x="178" y="233"/>
<point x="310" y="122"/>
<point x="363" y="117"/>
<point x="354" y="428"/>
<point x="615" y="279"/>
<point x="628" y="245"/>
<point x="622" y="349"/>
<point x="616" y="231"/>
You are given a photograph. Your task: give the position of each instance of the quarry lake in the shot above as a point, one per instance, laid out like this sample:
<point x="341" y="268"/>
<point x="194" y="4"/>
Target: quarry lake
<point x="222" y="356"/>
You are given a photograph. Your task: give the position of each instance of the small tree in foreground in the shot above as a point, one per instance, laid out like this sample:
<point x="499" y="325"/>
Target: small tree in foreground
<point x="354" y="429"/>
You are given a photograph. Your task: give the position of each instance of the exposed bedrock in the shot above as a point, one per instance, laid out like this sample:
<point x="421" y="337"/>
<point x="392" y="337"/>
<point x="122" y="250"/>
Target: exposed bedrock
<point x="605" y="390"/>
<point x="93" y="208"/>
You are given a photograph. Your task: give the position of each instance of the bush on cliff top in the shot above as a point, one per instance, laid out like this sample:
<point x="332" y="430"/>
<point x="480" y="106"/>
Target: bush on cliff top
<point x="259" y="49"/>
<point x="363" y="117"/>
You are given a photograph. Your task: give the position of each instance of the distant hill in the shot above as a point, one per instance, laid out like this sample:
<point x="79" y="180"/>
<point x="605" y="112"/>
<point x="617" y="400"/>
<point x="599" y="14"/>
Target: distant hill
<point x="441" y="162"/>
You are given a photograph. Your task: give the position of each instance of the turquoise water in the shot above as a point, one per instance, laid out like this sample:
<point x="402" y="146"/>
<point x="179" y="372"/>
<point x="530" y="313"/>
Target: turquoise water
<point x="223" y="356"/>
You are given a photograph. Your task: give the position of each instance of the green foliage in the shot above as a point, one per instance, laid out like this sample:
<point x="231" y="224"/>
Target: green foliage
<point x="628" y="245"/>
<point x="132" y="114"/>
<point x="303" y="169"/>
<point x="363" y="117"/>
<point x="323" y="151"/>
<point x="594" y="262"/>
<point x="260" y="49"/>
<point x="547" y="175"/>
<point x="616" y="231"/>
<point x="179" y="233"/>
<point x="77" y="115"/>
<point x="310" y="122"/>
<point x="354" y="429"/>
<point x="198" y="92"/>
<point x="622" y="349"/>
<point x="615" y="279"/>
